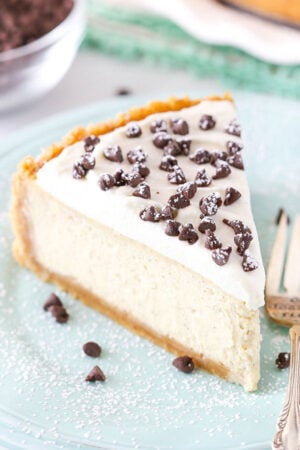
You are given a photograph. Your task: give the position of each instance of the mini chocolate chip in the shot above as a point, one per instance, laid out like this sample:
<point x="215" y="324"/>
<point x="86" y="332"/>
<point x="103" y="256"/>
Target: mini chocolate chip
<point x="221" y="255"/>
<point x="133" y="130"/>
<point x="184" y="145"/>
<point x="188" y="233"/>
<point x="279" y="214"/>
<point x="106" y="181"/>
<point x="233" y="147"/>
<point x="233" y="128"/>
<point x="236" y="161"/>
<point x="167" y="163"/>
<point x="168" y="212"/>
<point x="120" y="177"/>
<point x="231" y="196"/>
<point x="217" y="155"/>
<point x="142" y="191"/>
<point x="242" y="241"/>
<point x="249" y="263"/>
<point x="211" y="240"/>
<point x="207" y="223"/>
<point x="95" y="374"/>
<point x="141" y="168"/>
<point x="176" y="176"/>
<point x="78" y="171"/>
<point x="150" y="214"/>
<point x="161" y="139"/>
<point x="133" y="179"/>
<point x="179" y="201"/>
<point x="158" y="125"/>
<point x="90" y="142"/>
<point x="92" y="349"/>
<point x="87" y="161"/>
<point x="188" y="189"/>
<point x="113" y="153"/>
<point x="184" y="364"/>
<point x="52" y="300"/>
<point x="209" y="205"/>
<point x="200" y="156"/>
<point x="222" y="169"/>
<point x="237" y="225"/>
<point x="179" y="126"/>
<point x="136" y="155"/>
<point x="172" y="148"/>
<point x="59" y="313"/>
<point x="202" y="179"/>
<point x="283" y="360"/>
<point x="172" y="228"/>
<point x="123" y="91"/>
<point x="207" y="122"/>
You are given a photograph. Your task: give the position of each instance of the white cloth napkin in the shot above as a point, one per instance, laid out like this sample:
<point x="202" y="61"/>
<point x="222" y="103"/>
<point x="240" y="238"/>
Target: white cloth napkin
<point x="215" y="23"/>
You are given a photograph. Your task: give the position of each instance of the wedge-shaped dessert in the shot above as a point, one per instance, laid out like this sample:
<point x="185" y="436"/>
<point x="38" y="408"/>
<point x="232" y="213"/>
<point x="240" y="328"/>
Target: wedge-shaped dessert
<point x="147" y="218"/>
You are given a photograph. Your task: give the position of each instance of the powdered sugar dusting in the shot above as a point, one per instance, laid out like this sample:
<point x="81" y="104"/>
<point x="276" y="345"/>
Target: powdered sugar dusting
<point x="144" y="399"/>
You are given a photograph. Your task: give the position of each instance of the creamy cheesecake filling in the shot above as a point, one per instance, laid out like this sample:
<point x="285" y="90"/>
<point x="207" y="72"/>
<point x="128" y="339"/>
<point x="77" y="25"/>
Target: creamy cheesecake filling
<point x="118" y="209"/>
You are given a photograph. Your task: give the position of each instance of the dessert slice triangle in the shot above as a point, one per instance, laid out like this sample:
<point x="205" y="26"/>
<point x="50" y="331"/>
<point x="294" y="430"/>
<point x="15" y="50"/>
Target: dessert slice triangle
<point x="147" y="218"/>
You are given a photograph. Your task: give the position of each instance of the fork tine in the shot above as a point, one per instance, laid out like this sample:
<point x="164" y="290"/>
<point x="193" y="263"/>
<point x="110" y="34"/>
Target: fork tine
<point x="275" y="268"/>
<point x="291" y="279"/>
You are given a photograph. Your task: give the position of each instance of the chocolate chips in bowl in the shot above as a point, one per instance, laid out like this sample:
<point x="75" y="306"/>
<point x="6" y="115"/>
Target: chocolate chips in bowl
<point x="38" y="42"/>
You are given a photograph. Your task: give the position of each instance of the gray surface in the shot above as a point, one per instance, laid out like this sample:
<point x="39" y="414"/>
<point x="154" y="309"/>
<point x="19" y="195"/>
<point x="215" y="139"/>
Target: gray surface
<point x="94" y="77"/>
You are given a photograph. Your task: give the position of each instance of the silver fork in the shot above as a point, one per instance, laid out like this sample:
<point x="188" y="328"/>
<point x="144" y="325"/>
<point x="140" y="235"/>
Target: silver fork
<point x="284" y="308"/>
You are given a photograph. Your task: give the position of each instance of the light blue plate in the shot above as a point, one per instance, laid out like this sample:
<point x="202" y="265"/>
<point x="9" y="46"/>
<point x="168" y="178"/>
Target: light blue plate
<point x="145" y="403"/>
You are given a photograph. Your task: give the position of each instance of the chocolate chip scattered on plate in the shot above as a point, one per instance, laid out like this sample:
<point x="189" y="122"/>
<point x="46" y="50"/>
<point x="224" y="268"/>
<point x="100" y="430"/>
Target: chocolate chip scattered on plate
<point x="184" y="364"/>
<point x="95" y="374"/>
<point x="52" y="300"/>
<point x="92" y="349"/>
<point x="123" y="91"/>
<point x="283" y="360"/>
<point x="59" y="313"/>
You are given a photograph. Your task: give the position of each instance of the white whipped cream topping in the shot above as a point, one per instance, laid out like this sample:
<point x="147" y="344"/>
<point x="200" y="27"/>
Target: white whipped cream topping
<point x="119" y="210"/>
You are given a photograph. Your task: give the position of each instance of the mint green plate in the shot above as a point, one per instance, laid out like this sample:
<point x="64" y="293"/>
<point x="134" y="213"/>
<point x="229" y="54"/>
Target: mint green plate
<point x="145" y="403"/>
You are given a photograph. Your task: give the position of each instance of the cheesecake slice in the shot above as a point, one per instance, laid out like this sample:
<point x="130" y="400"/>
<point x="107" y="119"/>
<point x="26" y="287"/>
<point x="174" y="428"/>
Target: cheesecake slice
<point x="147" y="218"/>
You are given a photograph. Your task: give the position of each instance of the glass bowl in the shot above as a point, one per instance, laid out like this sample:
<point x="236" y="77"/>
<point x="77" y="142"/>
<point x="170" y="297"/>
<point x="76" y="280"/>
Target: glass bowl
<point x="30" y="71"/>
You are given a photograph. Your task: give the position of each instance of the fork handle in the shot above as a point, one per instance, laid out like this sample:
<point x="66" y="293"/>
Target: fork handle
<point x="287" y="436"/>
